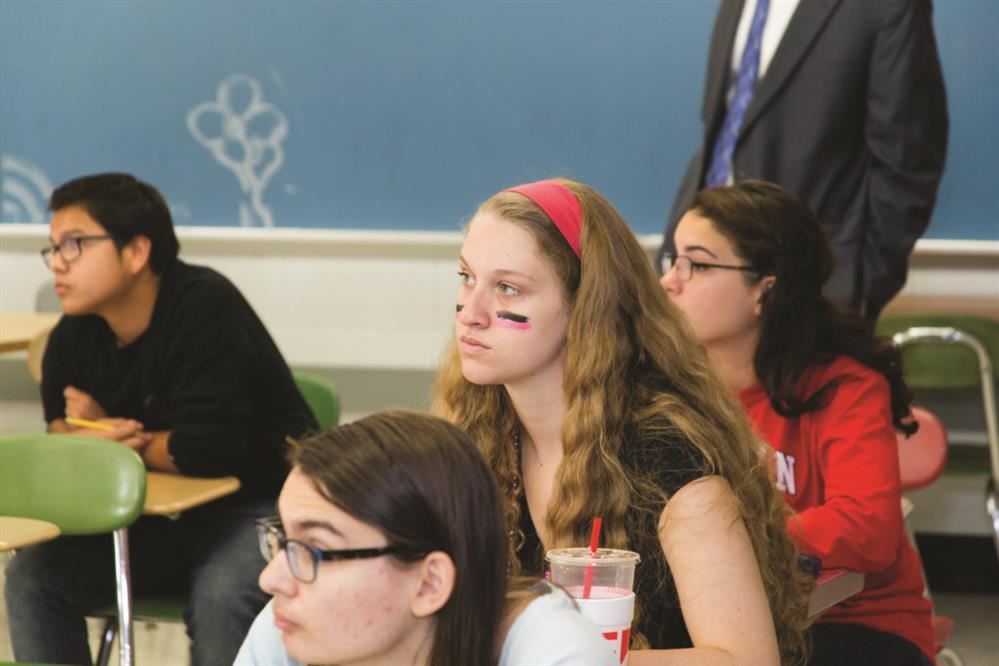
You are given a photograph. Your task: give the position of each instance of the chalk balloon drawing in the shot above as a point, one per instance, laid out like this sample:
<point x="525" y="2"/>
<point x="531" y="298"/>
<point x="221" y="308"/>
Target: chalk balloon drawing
<point x="243" y="133"/>
<point x="26" y="191"/>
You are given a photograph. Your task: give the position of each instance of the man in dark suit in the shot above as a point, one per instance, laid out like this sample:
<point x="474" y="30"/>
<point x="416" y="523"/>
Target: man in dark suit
<point x="848" y="111"/>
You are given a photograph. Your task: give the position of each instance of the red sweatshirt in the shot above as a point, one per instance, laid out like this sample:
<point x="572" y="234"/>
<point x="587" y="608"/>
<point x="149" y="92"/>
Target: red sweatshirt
<point x="838" y="469"/>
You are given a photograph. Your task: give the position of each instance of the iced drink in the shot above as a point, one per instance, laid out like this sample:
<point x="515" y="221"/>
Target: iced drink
<point x="602" y="585"/>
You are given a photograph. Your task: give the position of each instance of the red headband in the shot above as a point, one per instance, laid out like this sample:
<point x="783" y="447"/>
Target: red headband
<point x="560" y="204"/>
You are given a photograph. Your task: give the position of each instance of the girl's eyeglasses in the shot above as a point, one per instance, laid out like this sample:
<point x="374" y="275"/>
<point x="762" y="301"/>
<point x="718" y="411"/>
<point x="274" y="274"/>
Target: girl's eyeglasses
<point x="303" y="558"/>
<point x="685" y="266"/>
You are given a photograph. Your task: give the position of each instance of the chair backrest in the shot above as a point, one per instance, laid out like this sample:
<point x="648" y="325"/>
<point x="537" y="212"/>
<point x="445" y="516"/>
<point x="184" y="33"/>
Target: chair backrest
<point x="922" y="456"/>
<point x="321" y="396"/>
<point x="982" y="349"/>
<point x="84" y="485"/>
<point x="942" y="364"/>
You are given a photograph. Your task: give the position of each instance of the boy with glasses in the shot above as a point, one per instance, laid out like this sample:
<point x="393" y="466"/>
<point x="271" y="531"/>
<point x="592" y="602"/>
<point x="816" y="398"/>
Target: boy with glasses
<point x="175" y="364"/>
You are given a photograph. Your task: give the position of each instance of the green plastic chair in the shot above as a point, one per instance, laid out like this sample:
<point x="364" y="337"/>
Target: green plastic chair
<point x="153" y="608"/>
<point x="950" y="352"/>
<point x="83" y="485"/>
<point x="322" y="398"/>
<point x="325" y="404"/>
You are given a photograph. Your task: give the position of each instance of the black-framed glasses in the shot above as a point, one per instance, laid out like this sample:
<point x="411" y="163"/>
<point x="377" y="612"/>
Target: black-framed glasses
<point x="685" y="266"/>
<point x="69" y="248"/>
<point x="303" y="558"/>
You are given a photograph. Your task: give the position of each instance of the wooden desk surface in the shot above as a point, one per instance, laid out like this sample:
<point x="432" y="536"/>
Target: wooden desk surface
<point x="172" y="494"/>
<point x="20" y="532"/>
<point x="833" y="586"/>
<point x="18" y="328"/>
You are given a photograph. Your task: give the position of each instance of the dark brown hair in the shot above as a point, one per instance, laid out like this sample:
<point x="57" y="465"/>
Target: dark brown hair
<point x="420" y="481"/>
<point x="778" y="234"/>
<point x="126" y="207"/>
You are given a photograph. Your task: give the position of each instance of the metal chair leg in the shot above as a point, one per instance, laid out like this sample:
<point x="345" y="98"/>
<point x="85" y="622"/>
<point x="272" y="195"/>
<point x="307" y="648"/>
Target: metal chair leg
<point x="124" y="579"/>
<point x="992" y="509"/>
<point x="107" y="640"/>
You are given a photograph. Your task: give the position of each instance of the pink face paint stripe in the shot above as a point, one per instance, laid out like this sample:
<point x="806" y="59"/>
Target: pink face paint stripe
<point x="510" y="320"/>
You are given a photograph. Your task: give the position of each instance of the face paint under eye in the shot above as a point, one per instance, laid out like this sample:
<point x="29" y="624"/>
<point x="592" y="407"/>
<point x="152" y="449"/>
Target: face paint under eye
<point x="514" y="321"/>
<point x="458" y="308"/>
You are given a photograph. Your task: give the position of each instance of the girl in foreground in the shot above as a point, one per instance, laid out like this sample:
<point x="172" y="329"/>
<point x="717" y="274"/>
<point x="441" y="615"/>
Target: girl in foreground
<point x="587" y="396"/>
<point x="394" y="552"/>
<point x="823" y="392"/>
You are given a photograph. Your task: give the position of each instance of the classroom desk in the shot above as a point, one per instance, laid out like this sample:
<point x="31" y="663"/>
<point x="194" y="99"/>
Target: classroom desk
<point x="833" y="586"/>
<point x="166" y="495"/>
<point x="172" y="494"/>
<point x="18" y="328"/>
<point x="986" y="307"/>
<point x="20" y="532"/>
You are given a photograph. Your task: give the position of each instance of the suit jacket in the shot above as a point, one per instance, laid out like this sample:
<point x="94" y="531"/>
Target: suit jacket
<point x="851" y="116"/>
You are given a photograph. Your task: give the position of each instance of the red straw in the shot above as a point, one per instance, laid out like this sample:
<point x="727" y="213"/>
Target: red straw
<point x="594" y="540"/>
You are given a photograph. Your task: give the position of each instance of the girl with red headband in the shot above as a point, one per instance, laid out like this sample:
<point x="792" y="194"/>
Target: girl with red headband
<point x="589" y="397"/>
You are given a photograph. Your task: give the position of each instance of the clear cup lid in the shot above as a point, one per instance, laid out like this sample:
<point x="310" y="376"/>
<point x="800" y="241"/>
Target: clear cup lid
<point x="604" y="557"/>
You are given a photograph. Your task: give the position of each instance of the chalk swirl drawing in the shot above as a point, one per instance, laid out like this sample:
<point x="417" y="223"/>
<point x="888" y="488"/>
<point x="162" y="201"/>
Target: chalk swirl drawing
<point x="244" y="134"/>
<point x="26" y="191"/>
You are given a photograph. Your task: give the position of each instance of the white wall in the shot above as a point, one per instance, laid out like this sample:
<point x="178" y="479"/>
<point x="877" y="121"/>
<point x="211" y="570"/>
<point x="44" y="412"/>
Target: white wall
<point x="372" y="309"/>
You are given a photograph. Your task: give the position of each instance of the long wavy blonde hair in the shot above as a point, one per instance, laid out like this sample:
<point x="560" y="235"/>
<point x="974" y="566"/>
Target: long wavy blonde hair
<point x="630" y="362"/>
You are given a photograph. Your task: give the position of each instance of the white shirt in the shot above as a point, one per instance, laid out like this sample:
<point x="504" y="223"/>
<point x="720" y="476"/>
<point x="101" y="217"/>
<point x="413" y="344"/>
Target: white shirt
<point x="550" y="631"/>
<point x="778" y="16"/>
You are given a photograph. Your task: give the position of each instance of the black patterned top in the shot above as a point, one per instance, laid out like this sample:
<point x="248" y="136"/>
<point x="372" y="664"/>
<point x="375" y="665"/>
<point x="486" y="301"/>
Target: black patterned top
<point x="671" y="463"/>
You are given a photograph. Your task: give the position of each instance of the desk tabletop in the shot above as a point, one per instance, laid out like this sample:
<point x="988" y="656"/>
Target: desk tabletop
<point x="20" y="532"/>
<point x="18" y="328"/>
<point x="833" y="586"/>
<point x="171" y="494"/>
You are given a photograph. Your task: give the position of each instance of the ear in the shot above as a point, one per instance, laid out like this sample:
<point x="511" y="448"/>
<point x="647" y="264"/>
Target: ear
<point x="762" y="288"/>
<point x="136" y="253"/>
<point x="436" y="583"/>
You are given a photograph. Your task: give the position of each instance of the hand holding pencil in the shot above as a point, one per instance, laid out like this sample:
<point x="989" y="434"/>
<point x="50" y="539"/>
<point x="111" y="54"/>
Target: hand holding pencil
<point x="127" y="431"/>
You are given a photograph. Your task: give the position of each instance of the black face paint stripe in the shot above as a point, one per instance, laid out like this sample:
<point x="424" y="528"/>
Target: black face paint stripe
<point x="459" y="308"/>
<point x="520" y="319"/>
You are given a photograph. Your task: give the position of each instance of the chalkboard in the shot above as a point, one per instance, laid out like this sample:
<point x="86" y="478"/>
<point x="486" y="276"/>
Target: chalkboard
<point x="402" y="114"/>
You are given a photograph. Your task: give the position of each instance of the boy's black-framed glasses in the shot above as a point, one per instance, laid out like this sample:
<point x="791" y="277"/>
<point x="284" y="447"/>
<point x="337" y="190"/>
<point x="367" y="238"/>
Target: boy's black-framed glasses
<point x="685" y="266"/>
<point x="69" y="248"/>
<point x="303" y="558"/>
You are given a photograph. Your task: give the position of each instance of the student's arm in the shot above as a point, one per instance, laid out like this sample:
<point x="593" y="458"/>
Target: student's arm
<point x="81" y="405"/>
<point x="859" y="524"/>
<point x="61" y="398"/>
<point x="207" y="389"/>
<point x="717" y="579"/>
<point x="156" y="454"/>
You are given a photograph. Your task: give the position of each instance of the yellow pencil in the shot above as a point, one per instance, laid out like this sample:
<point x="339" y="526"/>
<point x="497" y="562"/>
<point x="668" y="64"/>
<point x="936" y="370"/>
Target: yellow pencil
<point x="84" y="423"/>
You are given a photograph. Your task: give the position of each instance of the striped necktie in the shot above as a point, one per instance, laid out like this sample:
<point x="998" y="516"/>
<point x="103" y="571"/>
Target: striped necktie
<point x="721" y="158"/>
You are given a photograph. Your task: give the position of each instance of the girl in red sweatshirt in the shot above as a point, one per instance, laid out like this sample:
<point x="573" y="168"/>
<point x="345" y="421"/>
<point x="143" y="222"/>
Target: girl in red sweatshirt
<point x="749" y="265"/>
